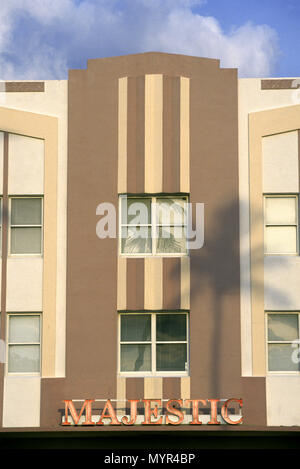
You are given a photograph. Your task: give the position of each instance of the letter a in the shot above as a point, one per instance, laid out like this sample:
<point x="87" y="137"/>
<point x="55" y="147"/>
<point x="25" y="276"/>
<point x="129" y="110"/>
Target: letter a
<point x="111" y="414"/>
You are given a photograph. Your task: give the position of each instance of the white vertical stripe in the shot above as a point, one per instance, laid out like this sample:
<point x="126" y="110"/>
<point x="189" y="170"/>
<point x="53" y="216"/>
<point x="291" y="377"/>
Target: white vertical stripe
<point x="184" y="134"/>
<point x="153" y="388"/>
<point x="122" y="136"/>
<point x="244" y="217"/>
<point x="153" y="132"/>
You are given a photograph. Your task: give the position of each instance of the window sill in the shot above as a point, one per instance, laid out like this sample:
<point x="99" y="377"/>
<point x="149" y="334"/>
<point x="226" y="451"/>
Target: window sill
<point x="151" y="375"/>
<point x="25" y="256"/>
<point x="23" y="375"/>
<point x="292" y="254"/>
<point x="153" y="255"/>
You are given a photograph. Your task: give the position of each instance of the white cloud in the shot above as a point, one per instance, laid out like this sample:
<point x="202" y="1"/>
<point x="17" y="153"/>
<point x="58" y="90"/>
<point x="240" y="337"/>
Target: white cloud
<point x="41" y="39"/>
<point x="251" y="48"/>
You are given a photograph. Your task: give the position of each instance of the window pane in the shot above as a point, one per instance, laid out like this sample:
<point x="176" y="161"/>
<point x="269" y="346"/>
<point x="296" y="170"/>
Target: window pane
<point x="136" y="240"/>
<point x="282" y="327"/>
<point x="281" y="210"/>
<point x="280" y="358"/>
<point x="135" y="357"/>
<point x="171" y="211"/>
<point x="24" y="329"/>
<point x="171" y="357"/>
<point x="135" y="328"/>
<point x="136" y="211"/>
<point x="26" y="240"/>
<point x="281" y="239"/>
<point x="171" y="240"/>
<point x="26" y="211"/>
<point x="170" y="327"/>
<point x="24" y="358"/>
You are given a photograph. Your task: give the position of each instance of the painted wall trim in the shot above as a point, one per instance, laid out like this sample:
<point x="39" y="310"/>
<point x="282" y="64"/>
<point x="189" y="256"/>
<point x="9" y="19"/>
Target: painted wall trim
<point x="44" y="127"/>
<point x="261" y="124"/>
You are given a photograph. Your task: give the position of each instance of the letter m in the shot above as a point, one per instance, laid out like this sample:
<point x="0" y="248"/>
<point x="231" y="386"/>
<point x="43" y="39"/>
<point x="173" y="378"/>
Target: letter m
<point x="153" y="459"/>
<point x="87" y="406"/>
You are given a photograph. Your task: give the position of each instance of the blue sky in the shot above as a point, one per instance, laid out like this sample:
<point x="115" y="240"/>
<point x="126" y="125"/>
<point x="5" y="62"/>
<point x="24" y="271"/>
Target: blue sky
<point x="42" y="39"/>
<point x="281" y="15"/>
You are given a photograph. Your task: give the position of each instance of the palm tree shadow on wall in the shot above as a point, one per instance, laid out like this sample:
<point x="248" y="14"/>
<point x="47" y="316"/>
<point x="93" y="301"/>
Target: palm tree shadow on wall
<point x="215" y="279"/>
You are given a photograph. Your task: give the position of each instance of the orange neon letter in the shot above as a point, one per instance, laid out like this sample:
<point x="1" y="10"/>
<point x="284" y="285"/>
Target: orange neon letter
<point x="149" y="412"/>
<point x="224" y="412"/>
<point x="213" y="412"/>
<point x="133" y="412"/>
<point x="111" y="414"/>
<point x="173" y="410"/>
<point x="195" y="403"/>
<point x="87" y="405"/>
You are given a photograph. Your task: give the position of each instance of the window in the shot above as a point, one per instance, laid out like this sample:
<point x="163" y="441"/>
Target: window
<point x="283" y="342"/>
<point x="24" y="343"/>
<point x="281" y="224"/>
<point x="154" y="343"/>
<point x="153" y="225"/>
<point x="26" y="225"/>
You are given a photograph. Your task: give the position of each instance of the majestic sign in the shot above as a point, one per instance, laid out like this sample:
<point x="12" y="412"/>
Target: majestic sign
<point x="153" y="412"/>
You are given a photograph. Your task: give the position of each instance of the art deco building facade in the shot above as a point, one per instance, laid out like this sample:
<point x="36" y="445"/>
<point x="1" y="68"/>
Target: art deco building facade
<point x="90" y="317"/>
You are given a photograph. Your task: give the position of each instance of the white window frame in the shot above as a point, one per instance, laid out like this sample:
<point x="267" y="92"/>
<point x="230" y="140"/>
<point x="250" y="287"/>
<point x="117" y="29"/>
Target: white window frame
<point x="281" y="196"/>
<point x="38" y="254"/>
<point x="283" y="372"/>
<point x="153" y="344"/>
<point x="152" y="225"/>
<point x="8" y="343"/>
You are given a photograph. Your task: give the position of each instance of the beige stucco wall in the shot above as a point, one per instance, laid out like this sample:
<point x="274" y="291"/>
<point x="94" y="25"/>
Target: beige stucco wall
<point x="25" y="165"/>
<point x="38" y="165"/>
<point x="52" y="102"/>
<point x="282" y="283"/>
<point x="280" y="163"/>
<point x="24" y="284"/>
<point x="283" y="403"/>
<point x="22" y="401"/>
<point x="251" y="100"/>
<point x="268" y="156"/>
